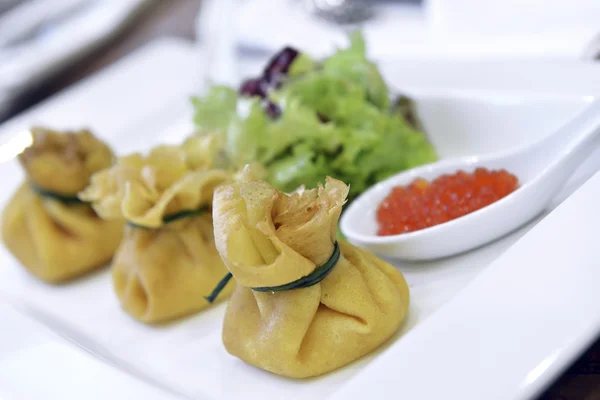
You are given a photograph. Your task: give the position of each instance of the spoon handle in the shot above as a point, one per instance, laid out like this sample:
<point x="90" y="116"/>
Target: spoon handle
<point x="567" y="148"/>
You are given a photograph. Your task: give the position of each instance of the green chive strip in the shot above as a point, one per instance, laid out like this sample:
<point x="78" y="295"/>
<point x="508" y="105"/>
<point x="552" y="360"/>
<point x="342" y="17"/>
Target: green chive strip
<point x="217" y="290"/>
<point x="306" y="281"/>
<point x="49" y="194"/>
<point x="173" y="217"/>
<point x="309" y="280"/>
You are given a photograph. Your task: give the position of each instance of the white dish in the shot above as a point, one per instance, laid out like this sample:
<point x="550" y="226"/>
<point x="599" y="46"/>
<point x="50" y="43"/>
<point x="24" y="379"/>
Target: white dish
<point x="35" y="363"/>
<point x="514" y="328"/>
<point x="542" y="170"/>
<point x="152" y="105"/>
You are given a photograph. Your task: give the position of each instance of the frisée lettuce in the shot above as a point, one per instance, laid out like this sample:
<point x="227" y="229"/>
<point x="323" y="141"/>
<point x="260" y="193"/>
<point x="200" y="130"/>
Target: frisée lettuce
<point x="305" y="119"/>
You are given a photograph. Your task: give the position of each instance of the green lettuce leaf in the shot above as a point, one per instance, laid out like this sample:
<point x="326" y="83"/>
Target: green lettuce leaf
<point x="214" y="111"/>
<point x="352" y="65"/>
<point x="301" y="65"/>
<point x="335" y="120"/>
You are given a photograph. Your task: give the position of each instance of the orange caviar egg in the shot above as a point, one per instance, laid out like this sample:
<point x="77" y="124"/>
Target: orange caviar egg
<point x="423" y="204"/>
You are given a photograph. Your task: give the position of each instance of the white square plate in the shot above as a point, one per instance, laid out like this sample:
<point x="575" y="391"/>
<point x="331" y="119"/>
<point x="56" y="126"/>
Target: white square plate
<point x="144" y="101"/>
<point x="35" y="363"/>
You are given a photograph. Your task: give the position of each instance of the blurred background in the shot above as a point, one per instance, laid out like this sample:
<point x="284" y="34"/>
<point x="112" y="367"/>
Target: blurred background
<point x="48" y="45"/>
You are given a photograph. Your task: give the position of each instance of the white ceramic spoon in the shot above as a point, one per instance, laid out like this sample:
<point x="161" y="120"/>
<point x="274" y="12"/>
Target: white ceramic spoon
<point x="542" y="170"/>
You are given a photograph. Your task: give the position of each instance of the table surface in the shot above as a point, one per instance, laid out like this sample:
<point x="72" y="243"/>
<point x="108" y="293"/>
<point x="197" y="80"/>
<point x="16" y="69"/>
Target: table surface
<point x="176" y="18"/>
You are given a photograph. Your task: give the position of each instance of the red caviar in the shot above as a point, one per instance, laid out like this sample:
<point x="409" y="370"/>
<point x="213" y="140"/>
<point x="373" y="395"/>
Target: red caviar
<point x="423" y="204"/>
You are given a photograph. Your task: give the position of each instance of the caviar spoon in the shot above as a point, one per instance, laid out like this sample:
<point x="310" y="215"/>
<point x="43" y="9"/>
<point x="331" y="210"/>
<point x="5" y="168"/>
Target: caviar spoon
<point x="542" y="169"/>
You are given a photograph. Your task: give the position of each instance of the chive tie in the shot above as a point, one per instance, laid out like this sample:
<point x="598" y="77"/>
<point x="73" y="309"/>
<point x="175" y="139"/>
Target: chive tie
<point x="173" y="217"/>
<point x="306" y="281"/>
<point x="50" y="194"/>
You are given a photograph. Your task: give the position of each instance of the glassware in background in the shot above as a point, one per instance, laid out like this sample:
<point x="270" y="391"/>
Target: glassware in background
<point x="216" y="34"/>
<point x="341" y="11"/>
<point x="225" y="59"/>
<point x="416" y="29"/>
